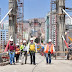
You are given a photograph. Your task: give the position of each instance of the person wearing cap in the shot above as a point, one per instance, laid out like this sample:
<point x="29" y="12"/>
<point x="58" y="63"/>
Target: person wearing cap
<point x="23" y="49"/>
<point x="32" y="48"/>
<point x="11" y="50"/>
<point x="17" y="52"/>
<point x="49" y="49"/>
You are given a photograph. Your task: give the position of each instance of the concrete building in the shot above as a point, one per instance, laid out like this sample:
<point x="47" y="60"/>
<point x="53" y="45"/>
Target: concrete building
<point x="50" y="29"/>
<point x="47" y="28"/>
<point x="6" y="25"/>
<point x="38" y="26"/>
<point x="26" y="29"/>
<point x="4" y="37"/>
<point x="68" y="21"/>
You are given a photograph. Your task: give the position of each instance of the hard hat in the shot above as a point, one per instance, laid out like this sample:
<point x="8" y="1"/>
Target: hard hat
<point x="11" y="39"/>
<point x="20" y="40"/>
<point x="49" y="40"/>
<point x="31" y="38"/>
<point x="17" y="44"/>
<point x="24" y="41"/>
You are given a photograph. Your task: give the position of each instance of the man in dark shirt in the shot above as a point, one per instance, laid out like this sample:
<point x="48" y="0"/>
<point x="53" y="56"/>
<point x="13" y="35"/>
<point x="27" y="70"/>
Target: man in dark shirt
<point x="11" y="49"/>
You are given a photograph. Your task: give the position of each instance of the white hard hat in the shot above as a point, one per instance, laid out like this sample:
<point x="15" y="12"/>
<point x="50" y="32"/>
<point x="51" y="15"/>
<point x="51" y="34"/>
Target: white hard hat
<point x="49" y="40"/>
<point x="24" y="41"/>
<point x="11" y="39"/>
<point x="17" y="44"/>
<point x="31" y="38"/>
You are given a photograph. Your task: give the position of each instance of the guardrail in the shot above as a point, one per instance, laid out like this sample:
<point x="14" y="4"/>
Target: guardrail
<point x="60" y="54"/>
<point x="57" y="54"/>
<point x="4" y="57"/>
<point x="4" y="53"/>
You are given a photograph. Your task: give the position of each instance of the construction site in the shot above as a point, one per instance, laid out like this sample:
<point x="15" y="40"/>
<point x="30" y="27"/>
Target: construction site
<point x="56" y="25"/>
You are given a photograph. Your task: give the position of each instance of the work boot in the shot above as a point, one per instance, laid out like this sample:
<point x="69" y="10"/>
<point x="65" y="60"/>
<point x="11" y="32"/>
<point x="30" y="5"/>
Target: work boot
<point x="17" y="61"/>
<point x="25" y="62"/>
<point x="14" y="63"/>
<point x="49" y="63"/>
<point x="21" y="63"/>
<point x="34" y="63"/>
<point x="31" y="63"/>
<point x="10" y="64"/>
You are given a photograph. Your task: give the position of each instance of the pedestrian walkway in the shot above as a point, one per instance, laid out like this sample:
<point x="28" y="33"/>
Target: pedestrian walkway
<point x="56" y="66"/>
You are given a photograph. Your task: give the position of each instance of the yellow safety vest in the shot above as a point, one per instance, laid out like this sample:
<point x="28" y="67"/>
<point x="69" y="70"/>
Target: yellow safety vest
<point x="32" y="47"/>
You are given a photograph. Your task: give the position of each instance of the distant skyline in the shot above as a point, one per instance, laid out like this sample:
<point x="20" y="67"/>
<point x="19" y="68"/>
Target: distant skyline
<point x="32" y="8"/>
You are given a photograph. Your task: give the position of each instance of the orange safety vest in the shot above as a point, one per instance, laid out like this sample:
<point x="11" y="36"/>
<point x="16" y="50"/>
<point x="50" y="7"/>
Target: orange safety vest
<point x="51" y="48"/>
<point x="17" y="50"/>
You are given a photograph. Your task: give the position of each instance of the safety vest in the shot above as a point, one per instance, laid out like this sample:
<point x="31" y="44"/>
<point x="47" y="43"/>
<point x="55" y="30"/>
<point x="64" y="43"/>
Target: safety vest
<point x="32" y="47"/>
<point x="21" y="47"/>
<point x="18" y="50"/>
<point x="47" y="48"/>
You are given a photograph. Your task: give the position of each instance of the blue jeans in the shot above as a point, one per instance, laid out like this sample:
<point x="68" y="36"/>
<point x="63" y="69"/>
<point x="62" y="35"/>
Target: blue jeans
<point x="48" y="56"/>
<point x="12" y="55"/>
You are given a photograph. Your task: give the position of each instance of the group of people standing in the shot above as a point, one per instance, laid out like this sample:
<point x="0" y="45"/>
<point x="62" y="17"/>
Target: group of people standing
<point x="23" y="50"/>
<point x="30" y="48"/>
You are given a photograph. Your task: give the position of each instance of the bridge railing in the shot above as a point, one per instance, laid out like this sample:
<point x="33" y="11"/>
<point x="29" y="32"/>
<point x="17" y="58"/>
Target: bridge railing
<point x="62" y="54"/>
<point x="4" y="57"/>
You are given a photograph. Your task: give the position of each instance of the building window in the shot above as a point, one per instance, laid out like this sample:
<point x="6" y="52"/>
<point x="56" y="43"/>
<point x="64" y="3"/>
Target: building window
<point x="3" y="33"/>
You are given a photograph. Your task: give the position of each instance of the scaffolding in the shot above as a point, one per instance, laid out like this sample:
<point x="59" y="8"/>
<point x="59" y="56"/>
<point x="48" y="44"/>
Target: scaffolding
<point x="20" y="20"/>
<point x="53" y="31"/>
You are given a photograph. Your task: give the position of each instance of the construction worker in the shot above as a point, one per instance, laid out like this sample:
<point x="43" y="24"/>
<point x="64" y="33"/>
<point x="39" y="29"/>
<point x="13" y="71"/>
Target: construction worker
<point x="49" y="49"/>
<point x="42" y="48"/>
<point x="11" y="50"/>
<point x="23" y="49"/>
<point x="32" y="48"/>
<point x="17" y="52"/>
<point x="69" y="50"/>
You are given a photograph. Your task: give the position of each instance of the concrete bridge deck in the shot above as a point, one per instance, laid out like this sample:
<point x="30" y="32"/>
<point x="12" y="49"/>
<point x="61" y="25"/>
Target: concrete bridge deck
<point x="41" y="66"/>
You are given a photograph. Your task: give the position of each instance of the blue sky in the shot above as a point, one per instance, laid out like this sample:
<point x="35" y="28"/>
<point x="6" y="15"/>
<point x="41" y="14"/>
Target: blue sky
<point x="36" y="8"/>
<point x="32" y="8"/>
